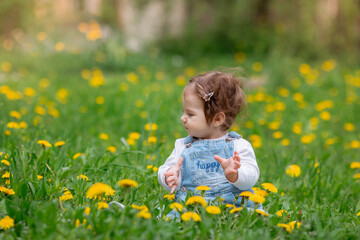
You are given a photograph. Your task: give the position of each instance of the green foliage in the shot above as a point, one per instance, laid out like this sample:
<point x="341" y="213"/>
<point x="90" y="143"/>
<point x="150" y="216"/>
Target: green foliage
<point x="146" y="88"/>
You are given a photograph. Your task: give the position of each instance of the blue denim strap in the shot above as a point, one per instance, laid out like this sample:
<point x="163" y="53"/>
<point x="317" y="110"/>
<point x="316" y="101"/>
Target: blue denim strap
<point x="233" y="134"/>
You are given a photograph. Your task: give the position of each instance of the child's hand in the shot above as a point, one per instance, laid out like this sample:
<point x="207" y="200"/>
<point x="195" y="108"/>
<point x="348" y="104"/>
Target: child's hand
<point x="172" y="175"/>
<point x="230" y="166"/>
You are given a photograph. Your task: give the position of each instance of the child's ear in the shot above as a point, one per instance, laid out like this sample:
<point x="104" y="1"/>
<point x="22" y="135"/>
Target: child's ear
<point x="219" y="119"/>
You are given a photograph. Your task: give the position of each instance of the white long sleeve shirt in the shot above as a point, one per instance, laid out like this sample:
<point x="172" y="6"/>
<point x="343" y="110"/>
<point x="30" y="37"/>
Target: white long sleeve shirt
<point x="248" y="173"/>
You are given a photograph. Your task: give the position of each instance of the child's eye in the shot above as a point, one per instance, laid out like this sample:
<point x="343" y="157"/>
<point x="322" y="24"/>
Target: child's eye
<point x="190" y="114"/>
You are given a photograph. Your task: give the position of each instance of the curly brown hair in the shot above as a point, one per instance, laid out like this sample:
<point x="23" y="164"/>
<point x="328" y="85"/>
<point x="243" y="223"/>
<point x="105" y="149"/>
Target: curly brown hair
<point x="221" y="92"/>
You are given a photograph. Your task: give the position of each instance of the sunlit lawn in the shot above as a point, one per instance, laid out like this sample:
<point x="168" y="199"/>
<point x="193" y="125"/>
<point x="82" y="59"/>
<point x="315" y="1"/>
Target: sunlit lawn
<point x="111" y="115"/>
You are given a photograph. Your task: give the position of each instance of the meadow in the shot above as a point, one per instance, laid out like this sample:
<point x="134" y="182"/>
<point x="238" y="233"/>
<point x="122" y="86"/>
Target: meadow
<point x="85" y="122"/>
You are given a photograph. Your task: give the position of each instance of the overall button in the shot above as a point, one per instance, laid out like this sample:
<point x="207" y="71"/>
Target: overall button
<point x="183" y="189"/>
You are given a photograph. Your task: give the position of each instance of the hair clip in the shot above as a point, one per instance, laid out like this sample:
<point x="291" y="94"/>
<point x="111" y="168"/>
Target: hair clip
<point x="207" y="96"/>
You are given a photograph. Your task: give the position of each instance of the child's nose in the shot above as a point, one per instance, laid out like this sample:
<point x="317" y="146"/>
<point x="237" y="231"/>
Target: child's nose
<point x="183" y="119"/>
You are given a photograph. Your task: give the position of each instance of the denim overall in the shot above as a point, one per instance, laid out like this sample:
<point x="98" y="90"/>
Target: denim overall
<point x="200" y="168"/>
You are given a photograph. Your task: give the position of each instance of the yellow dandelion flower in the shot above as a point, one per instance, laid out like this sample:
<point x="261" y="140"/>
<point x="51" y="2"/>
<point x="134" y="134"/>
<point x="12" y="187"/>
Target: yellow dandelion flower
<point x="235" y="210"/>
<point x="255" y="141"/>
<point x="100" y="100"/>
<point x="132" y="77"/>
<point x="355" y="144"/>
<point x="278" y="135"/>
<point x="152" y="139"/>
<point x="139" y="103"/>
<point x="269" y="187"/>
<point x="23" y="125"/>
<point x="10" y="191"/>
<point x="12" y="125"/>
<point x="170" y="197"/>
<point x="54" y="112"/>
<point x="274" y="125"/>
<point x="83" y="177"/>
<point x="102" y="205"/>
<point x="280" y="212"/>
<point x="76" y="155"/>
<point x="7" y="191"/>
<point x="298" y="97"/>
<point x="40" y="110"/>
<point x="202" y="188"/>
<point x="127" y="183"/>
<point x="324" y="115"/>
<point x="15" y="114"/>
<point x="245" y="194"/>
<point x="6" y="66"/>
<point x="214" y="210"/>
<point x="181" y="80"/>
<point x="124" y="87"/>
<point x="66" y="196"/>
<point x="293" y="170"/>
<point x="151" y="127"/>
<point x="98" y="189"/>
<point x="104" y="136"/>
<point x="134" y="135"/>
<point x="285" y="226"/>
<point x="294" y="224"/>
<point x="111" y="149"/>
<point x="257" y="66"/>
<point x="256" y="198"/>
<point x="279" y="106"/>
<point x="77" y="223"/>
<point x="328" y="65"/>
<point x="316" y="164"/>
<point x="283" y="92"/>
<point x="6" y="175"/>
<point x="59" y="46"/>
<point x="262" y="212"/>
<point x="87" y="210"/>
<point x="191" y="215"/>
<point x="260" y="192"/>
<point x="357" y="176"/>
<point x="196" y="199"/>
<point x="349" y="127"/>
<point x="306" y="139"/>
<point x="353" y="165"/>
<point x="141" y="208"/>
<point x="40" y="177"/>
<point x="297" y="127"/>
<point x="190" y="71"/>
<point x="228" y="205"/>
<point x="143" y="214"/>
<point x="155" y="169"/>
<point x="314" y="121"/>
<point x="44" y="143"/>
<point x="285" y="142"/>
<point x="304" y="68"/>
<point x="330" y="141"/>
<point x="59" y="144"/>
<point x="358" y="214"/>
<point x="177" y="206"/>
<point x="6" y="223"/>
<point x="5" y="162"/>
<point x="130" y="141"/>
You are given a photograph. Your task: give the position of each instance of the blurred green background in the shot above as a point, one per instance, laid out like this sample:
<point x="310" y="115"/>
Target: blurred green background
<point x="306" y="29"/>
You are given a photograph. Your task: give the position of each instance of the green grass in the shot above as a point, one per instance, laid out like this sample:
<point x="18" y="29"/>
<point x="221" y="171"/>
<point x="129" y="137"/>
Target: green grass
<point x="324" y="199"/>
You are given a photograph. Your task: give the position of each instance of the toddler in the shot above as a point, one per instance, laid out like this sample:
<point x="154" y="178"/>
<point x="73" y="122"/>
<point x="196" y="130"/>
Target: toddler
<point x="210" y="155"/>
